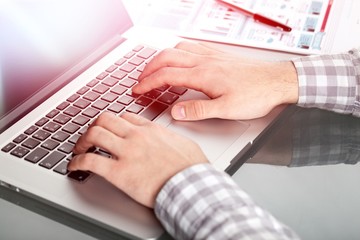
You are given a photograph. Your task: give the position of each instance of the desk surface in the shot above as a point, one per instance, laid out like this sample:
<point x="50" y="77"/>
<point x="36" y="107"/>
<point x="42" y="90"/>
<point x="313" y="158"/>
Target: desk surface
<point x="306" y="174"/>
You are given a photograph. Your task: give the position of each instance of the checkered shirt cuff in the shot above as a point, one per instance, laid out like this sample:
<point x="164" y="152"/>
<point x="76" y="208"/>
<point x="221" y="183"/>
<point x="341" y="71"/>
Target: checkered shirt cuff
<point x="203" y="203"/>
<point x="330" y="82"/>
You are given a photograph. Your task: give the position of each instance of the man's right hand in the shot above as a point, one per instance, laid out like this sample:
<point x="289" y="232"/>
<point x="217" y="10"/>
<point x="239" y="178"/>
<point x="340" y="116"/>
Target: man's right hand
<point x="238" y="88"/>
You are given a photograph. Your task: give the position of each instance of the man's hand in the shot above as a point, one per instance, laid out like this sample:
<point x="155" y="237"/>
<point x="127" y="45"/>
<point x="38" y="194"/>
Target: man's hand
<point x="238" y="88"/>
<point x="145" y="155"/>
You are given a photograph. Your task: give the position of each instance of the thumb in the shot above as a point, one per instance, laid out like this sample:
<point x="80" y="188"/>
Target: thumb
<point x="194" y="110"/>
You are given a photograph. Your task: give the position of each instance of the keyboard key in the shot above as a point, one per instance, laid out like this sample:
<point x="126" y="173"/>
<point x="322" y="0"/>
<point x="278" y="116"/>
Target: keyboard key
<point x="109" y="81"/>
<point x="153" y="94"/>
<point x="90" y="112"/>
<point x="92" y="83"/>
<point x="116" y="108"/>
<point x="83" y="90"/>
<point x="52" y="127"/>
<point x="66" y="148"/>
<point x="70" y="128"/>
<point x="138" y="48"/>
<point x="178" y="90"/>
<point x="134" y="108"/>
<point x="135" y="75"/>
<point x="31" y="130"/>
<point x="41" y="122"/>
<point x="62" y="168"/>
<point x="126" y="100"/>
<point x="100" y="104"/>
<point x="81" y="120"/>
<point x="8" y="147"/>
<point x="41" y="135"/>
<point x="168" y="98"/>
<point x="73" y="98"/>
<point x="50" y="144"/>
<point x="30" y="143"/>
<point x="52" y="159"/>
<point x="72" y="111"/>
<point x="62" y="119"/>
<point x="163" y="88"/>
<point x="120" y="61"/>
<point x="136" y="61"/>
<point x="129" y="55"/>
<point x="143" y="101"/>
<point x="146" y="53"/>
<point x="91" y="96"/>
<point x="19" y="152"/>
<point x="36" y="155"/>
<point x="154" y="110"/>
<point x="62" y="106"/>
<point x="81" y="103"/>
<point x="101" y="89"/>
<point x="60" y="136"/>
<point x="20" y="138"/>
<point x="52" y="113"/>
<point x="119" y="74"/>
<point x="111" y="69"/>
<point x="127" y="67"/>
<point x="127" y="82"/>
<point x="109" y="97"/>
<point x="102" y="75"/>
<point x="79" y="176"/>
<point x="119" y="90"/>
<point x="74" y="138"/>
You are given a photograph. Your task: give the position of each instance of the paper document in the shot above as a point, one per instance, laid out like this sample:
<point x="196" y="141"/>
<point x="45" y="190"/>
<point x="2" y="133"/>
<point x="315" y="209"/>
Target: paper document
<point x="209" y="20"/>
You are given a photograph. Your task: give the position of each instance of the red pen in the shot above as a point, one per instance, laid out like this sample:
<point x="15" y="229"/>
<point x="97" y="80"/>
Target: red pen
<point x="257" y="17"/>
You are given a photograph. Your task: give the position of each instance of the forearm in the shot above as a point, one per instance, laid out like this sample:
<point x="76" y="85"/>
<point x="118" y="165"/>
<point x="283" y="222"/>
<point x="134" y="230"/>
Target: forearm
<point x="203" y="203"/>
<point x="330" y="82"/>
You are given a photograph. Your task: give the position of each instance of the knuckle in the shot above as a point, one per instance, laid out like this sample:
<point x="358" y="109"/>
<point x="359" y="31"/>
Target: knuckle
<point x="102" y="119"/>
<point x="93" y="133"/>
<point x="164" y="53"/>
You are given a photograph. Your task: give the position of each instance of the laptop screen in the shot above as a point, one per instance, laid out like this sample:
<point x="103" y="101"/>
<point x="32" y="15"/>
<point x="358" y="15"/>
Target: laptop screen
<point x="41" y="39"/>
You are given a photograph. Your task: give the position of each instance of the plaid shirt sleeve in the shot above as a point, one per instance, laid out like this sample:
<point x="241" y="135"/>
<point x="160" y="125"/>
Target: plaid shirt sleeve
<point x="203" y="203"/>
<point x="330" y="82"/>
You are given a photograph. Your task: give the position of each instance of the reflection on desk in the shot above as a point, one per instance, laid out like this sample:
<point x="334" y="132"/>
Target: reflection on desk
<point x="306" y="174"/>
<point x="312" y="137"/>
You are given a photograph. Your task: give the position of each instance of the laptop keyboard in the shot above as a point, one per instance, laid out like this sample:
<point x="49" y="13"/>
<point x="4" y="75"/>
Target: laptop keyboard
<point x="49" y="142"/>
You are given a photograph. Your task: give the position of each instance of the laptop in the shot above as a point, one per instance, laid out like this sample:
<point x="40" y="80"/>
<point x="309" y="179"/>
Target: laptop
<point x="62" y="63"/>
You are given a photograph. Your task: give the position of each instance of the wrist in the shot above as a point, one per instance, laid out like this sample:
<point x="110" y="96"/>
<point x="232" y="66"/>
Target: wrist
<point x="286" y="85"/>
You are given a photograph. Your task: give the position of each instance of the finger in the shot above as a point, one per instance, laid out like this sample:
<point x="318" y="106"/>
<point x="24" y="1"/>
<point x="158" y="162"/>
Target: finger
<point x="112" y="123"/>
<point x="170" y="58"/>
<point x="135" y="119"/>
<point x="197" y="48"/>
<point x="184" y="77"/>
<point x="197" y="109"/>
<point x="97" y="136"/>
<point x="92" y="162"/>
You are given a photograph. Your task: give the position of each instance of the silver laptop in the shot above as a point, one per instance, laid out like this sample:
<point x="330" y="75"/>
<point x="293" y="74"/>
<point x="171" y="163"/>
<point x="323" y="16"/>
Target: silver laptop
<point x="62" y="63"/>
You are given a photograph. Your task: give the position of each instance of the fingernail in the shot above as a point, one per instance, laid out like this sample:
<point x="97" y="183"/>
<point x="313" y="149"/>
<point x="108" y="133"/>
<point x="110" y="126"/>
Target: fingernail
<point x="178" y="112"/>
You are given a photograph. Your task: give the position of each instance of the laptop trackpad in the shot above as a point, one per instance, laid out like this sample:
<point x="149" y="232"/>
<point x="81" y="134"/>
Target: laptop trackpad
<point x="213" y="135"/>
